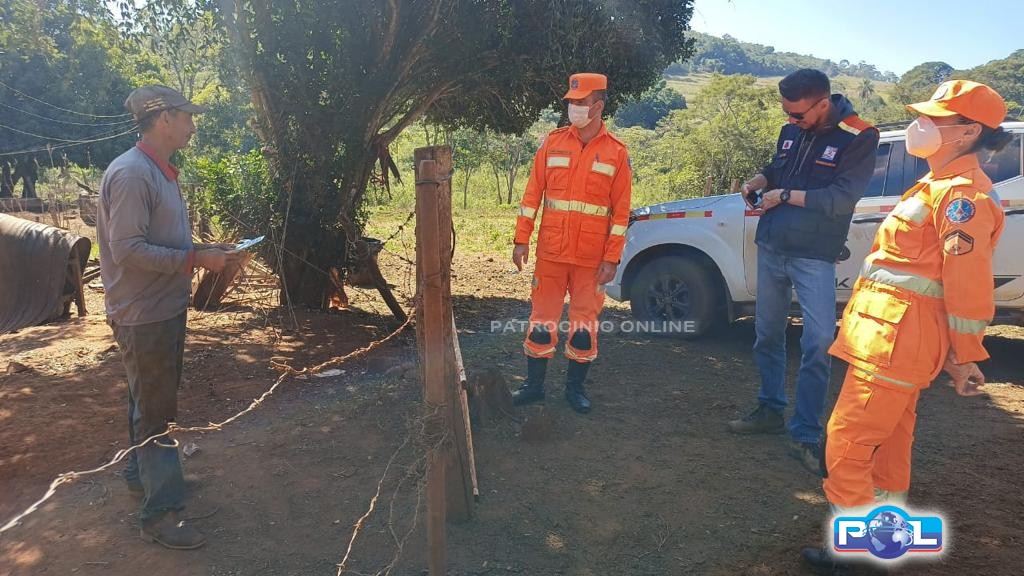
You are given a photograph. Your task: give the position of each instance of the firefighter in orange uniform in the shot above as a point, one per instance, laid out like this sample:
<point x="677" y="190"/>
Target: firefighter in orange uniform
<point x="581" y="177"/>
<point x="921" y="304"/>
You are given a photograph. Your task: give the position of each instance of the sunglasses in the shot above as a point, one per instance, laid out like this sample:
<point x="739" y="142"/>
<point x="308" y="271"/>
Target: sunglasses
<point x="800" y="115"/>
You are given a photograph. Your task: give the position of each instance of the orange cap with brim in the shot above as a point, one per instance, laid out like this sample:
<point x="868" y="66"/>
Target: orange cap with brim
<point x="582" y="84"/>
<point x="971" y="100"/>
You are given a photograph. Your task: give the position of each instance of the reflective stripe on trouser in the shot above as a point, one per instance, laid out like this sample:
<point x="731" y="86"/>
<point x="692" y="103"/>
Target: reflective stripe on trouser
<point x="870" y="436"/>
<point x="551" y="282"/>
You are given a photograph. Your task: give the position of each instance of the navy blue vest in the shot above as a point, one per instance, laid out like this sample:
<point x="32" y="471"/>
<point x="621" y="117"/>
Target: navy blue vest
<point x="806" y="161"/>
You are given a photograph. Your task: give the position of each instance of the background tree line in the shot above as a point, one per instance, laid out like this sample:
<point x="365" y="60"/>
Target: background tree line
<point x="315" y="111"/>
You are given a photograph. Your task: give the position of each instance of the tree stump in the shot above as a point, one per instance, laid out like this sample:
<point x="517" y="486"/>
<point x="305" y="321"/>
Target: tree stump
<point x="490" y="399"/>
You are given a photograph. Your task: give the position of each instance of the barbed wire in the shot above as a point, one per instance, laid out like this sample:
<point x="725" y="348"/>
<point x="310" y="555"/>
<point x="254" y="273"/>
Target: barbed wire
<point x="71" y="145"/>
<point x="86" y="114"/>
<point x="424" y="443"/>
<point x="363" y="292"/>
<point x="401" y="227"/>
<point x="54" y="138"/>
<point x="173" y="427"/>
<point x="68" y="122"/>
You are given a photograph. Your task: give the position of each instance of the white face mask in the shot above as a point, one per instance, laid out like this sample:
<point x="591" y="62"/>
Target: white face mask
<point x="579" y="115"/>
<point x="924" y="137"/>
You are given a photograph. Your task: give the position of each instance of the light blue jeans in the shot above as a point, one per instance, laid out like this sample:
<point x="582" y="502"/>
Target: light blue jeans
<point x="815" y="284"/>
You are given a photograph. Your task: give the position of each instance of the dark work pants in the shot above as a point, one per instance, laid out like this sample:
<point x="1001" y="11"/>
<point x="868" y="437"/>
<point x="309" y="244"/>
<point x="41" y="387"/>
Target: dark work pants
<point x="153" y="355"/>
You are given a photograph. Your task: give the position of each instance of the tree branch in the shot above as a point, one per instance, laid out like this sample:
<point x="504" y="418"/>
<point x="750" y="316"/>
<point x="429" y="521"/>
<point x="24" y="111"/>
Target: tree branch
<point x="392" y="17"/>
<point x="402" y="74"/>
<point x="414" y="114"/>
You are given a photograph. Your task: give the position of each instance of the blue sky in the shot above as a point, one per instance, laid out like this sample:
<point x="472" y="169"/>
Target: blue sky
<point x="893" y="35"/>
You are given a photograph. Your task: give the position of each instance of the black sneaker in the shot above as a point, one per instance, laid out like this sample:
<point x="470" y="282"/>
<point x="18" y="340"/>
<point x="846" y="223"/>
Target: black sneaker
<point x="809" y="454"/>
<point x="764" y="420"/>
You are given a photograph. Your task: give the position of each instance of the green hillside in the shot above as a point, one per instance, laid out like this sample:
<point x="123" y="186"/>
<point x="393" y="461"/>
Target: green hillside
<point x="689" y="84"/>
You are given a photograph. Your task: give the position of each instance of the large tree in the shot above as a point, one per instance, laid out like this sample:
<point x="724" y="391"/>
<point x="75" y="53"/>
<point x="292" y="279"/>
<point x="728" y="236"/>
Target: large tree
<point x="62" y="83"/>
<point x="919" y="82"/>
<point x="727" y="132"/>
<point x="1005" y="75"/>
<point x="333" y="84"/>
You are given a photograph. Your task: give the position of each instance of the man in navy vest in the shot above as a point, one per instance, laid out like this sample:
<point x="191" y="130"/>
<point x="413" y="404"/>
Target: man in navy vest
<point x="822" y="164"/>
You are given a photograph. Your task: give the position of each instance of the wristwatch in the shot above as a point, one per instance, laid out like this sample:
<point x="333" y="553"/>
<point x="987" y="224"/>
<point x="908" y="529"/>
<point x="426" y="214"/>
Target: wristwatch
<point x="784" y="197"/>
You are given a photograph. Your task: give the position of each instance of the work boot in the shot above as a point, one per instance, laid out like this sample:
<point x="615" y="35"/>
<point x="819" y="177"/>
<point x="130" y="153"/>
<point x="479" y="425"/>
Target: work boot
<point x="532" y="389"/>
<point x="575" y="394"/>
<point x="823" y="561"/>
<point x="764" y="420"/>
<point x="170" y="532"/>
<point x="135" y="488"/>
<point x="809" y="454"/>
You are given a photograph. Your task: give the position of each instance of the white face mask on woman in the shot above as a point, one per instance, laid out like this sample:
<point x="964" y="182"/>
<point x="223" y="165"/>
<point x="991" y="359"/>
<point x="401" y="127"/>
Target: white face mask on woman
<point x="924" y="137"/>
<point x="579" y="116"/>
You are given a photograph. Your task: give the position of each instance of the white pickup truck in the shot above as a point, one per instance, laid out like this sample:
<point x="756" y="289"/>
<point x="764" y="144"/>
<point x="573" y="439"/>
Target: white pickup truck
<point x="694" y="262"/>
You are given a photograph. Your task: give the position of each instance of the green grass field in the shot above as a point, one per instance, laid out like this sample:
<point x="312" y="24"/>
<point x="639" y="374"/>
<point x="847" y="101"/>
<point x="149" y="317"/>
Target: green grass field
<point x="478" y="229"/>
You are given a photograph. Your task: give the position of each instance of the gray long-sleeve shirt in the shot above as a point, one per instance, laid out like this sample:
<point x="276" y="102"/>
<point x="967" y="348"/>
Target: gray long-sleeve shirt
<point x="145" y="239"/>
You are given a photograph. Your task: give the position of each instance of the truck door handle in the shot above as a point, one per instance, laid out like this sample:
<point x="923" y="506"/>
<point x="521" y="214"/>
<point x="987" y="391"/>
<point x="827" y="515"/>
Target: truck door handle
<point x="868" y="220"/>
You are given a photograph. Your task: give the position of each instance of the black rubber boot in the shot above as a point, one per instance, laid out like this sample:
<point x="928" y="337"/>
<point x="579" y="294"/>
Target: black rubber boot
<point x="575" y="393"/>
<point x="533" y="389"/>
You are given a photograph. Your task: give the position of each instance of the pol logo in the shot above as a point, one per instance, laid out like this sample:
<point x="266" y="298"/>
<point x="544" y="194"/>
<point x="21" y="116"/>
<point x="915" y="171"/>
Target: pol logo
<point x="887" y="532"/>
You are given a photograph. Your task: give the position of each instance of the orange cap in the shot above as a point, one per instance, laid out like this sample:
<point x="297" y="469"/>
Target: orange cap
<point x="582" y="84"/>
<point x="969" y="99"/>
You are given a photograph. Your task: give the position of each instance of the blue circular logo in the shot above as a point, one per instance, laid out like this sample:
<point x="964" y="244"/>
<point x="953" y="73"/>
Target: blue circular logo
<point x="960" y="210"/>
<point x="891" y="535"/>
<point x="575" y="83"/>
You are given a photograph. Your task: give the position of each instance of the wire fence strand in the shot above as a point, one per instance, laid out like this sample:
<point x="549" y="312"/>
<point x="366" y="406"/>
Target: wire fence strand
<point x="287" y="371"/>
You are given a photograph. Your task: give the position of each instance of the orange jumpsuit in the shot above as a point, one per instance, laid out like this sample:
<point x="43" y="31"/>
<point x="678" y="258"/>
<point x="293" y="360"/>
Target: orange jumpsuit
<point x="926" y="287"/>
<point x="585" y="192"/>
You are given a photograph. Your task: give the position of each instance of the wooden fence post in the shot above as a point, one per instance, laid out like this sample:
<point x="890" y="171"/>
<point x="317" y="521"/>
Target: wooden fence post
<point x="450" y="473"/>
<point x="429" y="316"/>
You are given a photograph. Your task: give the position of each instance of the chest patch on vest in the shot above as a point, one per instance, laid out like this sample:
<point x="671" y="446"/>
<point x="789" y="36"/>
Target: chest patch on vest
<point x="787" y="144"/>
<point x="829" y="153"/>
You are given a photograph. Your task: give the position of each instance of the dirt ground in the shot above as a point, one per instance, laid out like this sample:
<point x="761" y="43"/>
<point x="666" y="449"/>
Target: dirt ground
<point x="650" y="483"/>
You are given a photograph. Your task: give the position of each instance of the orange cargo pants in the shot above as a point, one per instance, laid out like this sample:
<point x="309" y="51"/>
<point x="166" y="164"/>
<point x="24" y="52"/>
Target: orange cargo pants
<point x="551" y="282"/>
<point x="870" y="436"/>
<point x="895" y="342"/>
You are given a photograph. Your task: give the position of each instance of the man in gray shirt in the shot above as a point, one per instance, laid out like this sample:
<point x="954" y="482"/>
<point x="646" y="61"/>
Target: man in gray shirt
<point x="146" y="259"/>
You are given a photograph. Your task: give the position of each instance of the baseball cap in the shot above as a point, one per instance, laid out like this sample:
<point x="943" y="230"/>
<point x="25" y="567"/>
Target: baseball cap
<point x="971" y="100"/>
<point x="582" y="84"/>
<point x="149" y="100"/>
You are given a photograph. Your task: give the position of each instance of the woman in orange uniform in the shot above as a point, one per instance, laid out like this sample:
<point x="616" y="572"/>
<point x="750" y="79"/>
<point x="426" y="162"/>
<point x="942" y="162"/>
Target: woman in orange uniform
<point x="921" y="303"/>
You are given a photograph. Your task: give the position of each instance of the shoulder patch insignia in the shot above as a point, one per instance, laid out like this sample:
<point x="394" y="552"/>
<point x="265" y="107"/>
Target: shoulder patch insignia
<point x="957" y="243"/>
<point x="960" y="210"/>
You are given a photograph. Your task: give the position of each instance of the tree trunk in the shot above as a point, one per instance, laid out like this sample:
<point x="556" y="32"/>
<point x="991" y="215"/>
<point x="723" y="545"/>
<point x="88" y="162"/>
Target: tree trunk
<point x="319" y="232"/>
<point x="497" y="184"/>
<point x="6" y="181"/>
<point x="512" y="172"/>
<point x="25" y="171"/>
